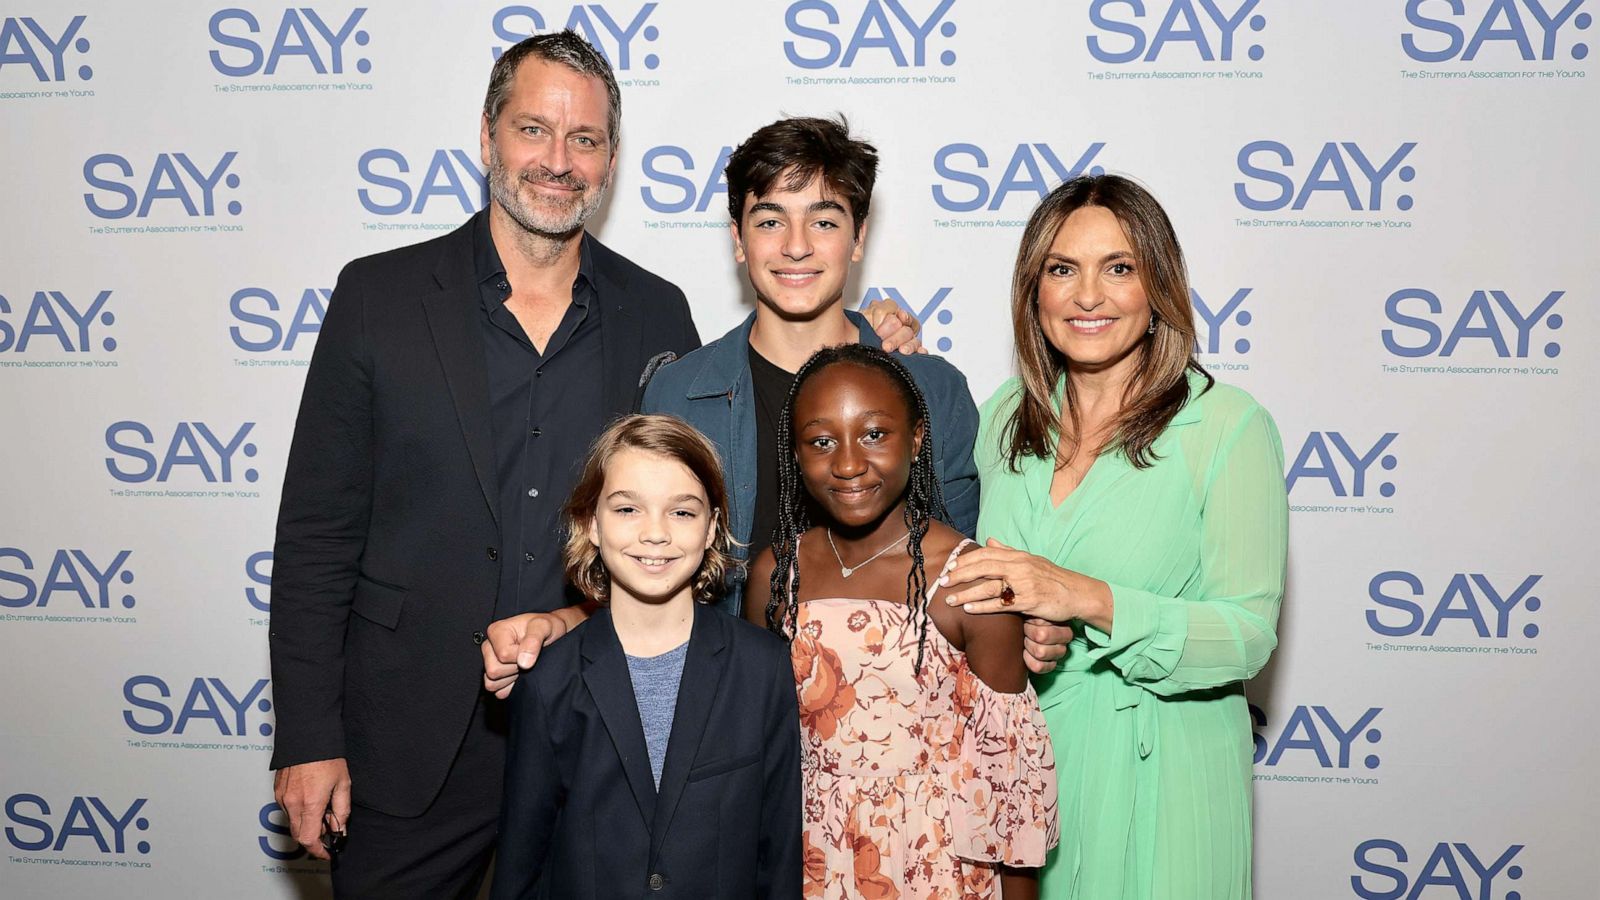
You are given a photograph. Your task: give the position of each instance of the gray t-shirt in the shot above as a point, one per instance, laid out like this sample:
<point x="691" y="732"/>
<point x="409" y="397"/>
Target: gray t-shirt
<point x="655" y="689"/>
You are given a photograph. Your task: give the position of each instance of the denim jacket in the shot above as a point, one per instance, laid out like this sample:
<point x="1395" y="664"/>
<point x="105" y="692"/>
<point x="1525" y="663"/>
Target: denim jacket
<point x="711" y="390"/>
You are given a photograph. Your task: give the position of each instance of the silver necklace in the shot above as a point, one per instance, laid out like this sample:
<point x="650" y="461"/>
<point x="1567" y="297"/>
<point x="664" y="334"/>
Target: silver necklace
<point x="846" y="571"/>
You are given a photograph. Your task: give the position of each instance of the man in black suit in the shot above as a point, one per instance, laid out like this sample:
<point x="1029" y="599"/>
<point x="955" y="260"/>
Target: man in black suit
<point x="454" y="390"/>
<point x="455" y="386"/>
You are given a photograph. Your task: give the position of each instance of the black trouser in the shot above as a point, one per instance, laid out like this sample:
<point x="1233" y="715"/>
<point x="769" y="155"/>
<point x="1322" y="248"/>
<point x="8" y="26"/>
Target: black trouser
<point x="444" y="852"/>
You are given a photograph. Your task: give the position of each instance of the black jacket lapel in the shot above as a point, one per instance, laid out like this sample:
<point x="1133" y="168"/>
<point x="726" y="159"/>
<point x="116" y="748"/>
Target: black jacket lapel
<point x="698" y="688"/>
<point x="621" y="335"/>
<point x="605" y="673"/>
<point x="452" y="313"/>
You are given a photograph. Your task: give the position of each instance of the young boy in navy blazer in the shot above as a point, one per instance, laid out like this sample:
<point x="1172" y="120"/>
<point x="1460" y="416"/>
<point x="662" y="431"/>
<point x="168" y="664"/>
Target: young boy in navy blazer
<point x="654" y="752"/>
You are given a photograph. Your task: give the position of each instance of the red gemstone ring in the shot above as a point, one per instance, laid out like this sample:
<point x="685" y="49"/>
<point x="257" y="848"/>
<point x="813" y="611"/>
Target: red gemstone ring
<point x="1007" y="595"/>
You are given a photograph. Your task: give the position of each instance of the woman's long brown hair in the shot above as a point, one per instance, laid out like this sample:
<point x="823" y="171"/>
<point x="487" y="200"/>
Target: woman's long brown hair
<point x="1158" y="388"/>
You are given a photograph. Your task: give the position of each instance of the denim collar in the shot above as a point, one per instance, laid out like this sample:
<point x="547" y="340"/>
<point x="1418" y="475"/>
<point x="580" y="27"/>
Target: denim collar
<point x="730" y="360"/>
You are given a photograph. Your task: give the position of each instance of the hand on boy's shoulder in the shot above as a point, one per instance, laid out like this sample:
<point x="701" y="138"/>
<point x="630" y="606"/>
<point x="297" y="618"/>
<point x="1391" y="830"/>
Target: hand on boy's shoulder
<point x="558" y="660"/>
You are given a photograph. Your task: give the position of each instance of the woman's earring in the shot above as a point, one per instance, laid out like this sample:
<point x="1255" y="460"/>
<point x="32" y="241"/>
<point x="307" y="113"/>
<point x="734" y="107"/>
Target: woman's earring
<point x="1152" y="328"/>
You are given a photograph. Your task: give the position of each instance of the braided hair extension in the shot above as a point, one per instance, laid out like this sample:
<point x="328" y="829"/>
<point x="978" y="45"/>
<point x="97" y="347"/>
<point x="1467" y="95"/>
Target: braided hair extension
<point x="924" y="496"/>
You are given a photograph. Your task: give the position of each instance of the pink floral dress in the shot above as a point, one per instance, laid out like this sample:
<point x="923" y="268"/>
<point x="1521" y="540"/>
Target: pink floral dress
<point x="915" y="787"/>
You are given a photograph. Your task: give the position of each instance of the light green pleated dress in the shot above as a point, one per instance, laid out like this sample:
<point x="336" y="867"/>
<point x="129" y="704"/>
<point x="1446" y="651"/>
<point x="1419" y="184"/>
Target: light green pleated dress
<point x="1151" y="731"/>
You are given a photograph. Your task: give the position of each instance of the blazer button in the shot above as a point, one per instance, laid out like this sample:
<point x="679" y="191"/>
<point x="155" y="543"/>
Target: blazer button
<point x="657" y="881"/>
<point x="477" y="637"/>
<point x="493" y="554"/>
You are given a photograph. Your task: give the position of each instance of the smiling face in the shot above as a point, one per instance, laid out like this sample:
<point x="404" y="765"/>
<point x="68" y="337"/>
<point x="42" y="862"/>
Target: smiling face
<point x="797" y="247"/>
<point x="550" y="156"/>
<point x="1092" y="303"/>
<point x="651" y="527"/>
<point x="855" y="439"/>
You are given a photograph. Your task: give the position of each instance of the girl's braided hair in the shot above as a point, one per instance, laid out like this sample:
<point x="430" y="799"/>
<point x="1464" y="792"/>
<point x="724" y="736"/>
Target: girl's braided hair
<point x="924" y="497"/>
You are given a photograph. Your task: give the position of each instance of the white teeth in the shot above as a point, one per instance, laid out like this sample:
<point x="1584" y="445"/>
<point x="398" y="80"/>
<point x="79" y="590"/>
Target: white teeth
<point x="651" y="561"/>
<point x="1089" y="323"/>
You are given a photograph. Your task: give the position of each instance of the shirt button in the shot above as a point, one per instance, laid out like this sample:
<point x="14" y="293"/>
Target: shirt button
<point x="657" y="882"/>
<point x="533" y="492"/>
<point x="493" y="553"/>
<point x="536" y="432"/>
<point x="503" y="286"/>
<point x="527" y="557"/>
<point x="477" y="637"/>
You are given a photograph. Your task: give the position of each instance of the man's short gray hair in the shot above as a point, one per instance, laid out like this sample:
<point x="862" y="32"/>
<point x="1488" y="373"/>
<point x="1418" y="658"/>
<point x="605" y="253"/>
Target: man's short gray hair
<point x="566" y="48"/>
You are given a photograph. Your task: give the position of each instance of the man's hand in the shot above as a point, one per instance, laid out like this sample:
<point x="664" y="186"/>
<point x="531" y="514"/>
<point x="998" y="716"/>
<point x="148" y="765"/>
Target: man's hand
<point x="1044" y="644"/>
<point x="309" y="790"/>
<point x="512" y="647"/>
<point x="896" y="327"/>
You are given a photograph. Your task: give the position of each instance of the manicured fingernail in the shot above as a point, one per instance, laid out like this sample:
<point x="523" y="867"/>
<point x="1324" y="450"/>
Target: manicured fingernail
<point x="944" y="580"/>
<point x="524" y="660"/>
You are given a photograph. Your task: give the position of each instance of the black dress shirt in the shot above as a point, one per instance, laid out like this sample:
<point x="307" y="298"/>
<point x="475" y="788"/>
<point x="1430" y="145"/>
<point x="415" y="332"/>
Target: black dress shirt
<point x="545" y="410"/>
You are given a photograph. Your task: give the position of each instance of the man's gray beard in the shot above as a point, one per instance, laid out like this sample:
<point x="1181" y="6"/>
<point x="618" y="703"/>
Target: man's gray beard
<point x="503" y="188"/>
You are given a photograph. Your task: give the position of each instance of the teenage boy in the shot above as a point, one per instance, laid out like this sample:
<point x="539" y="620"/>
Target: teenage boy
<point x="799" y="192"/>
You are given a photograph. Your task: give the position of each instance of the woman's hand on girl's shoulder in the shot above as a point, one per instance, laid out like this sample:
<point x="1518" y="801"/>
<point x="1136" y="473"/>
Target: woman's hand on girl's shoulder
<point x="1031" y="585"/>
<point x="992" y="644"/>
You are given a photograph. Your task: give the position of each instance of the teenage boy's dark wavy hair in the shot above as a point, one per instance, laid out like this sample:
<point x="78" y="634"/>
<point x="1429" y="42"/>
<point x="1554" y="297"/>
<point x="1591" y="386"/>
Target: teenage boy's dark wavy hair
<point x="798" y="150"/>
<point x="924" y="496"/>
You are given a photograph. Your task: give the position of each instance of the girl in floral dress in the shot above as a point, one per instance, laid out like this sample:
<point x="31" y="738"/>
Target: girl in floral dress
<point x="927" y="769"/>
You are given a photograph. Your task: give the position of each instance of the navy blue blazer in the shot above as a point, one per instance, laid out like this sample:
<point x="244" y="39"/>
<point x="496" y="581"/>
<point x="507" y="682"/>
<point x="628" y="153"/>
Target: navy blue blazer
<point x="582" y="819"/>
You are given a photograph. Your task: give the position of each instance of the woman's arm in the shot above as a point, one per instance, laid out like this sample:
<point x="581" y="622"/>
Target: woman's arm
<point x="1224" y="629"/>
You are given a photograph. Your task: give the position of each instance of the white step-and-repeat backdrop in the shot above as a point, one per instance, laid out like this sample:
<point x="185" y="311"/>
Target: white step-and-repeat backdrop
<point x="1389" y="209"/>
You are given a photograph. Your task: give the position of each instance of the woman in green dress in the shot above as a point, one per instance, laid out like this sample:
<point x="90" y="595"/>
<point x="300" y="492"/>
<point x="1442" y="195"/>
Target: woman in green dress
<point x="1129" y="494"/>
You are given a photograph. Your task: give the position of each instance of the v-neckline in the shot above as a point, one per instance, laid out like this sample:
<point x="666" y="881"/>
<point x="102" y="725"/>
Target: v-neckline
<point x="1077" y="491"/>
<point x="1093" y="477"/>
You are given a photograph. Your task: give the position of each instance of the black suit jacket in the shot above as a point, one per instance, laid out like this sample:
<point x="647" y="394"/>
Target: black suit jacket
<point x="582" y="819"/>
<point x="388" y="557"/>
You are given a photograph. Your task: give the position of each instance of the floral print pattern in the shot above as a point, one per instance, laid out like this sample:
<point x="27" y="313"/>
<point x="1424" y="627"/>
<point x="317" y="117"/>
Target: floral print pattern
<point x="914" y="787"/>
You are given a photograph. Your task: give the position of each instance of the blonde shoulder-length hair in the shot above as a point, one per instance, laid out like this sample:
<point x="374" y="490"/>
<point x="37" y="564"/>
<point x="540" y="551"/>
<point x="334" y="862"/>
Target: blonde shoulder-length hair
<point x="674" y="439"/>
<point x="1159" y="386"/>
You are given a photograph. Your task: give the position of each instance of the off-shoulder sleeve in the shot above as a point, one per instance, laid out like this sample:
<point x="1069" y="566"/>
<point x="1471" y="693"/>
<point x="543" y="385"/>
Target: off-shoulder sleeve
<point x="1003" y="803"/>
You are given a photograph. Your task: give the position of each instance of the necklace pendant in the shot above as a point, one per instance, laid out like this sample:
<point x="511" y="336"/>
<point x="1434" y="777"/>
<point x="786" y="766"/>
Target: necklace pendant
<point x="846" y="571"/>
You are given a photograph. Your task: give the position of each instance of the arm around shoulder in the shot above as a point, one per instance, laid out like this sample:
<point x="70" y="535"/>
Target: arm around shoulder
<point x="992" y="644"/>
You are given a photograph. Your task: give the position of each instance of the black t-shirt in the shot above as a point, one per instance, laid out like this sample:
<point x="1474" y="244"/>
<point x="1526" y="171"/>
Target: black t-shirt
<point x="772" y="392"/>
